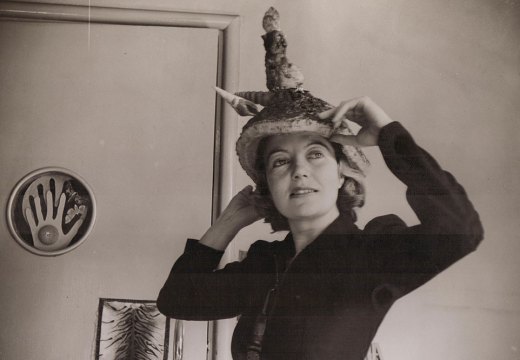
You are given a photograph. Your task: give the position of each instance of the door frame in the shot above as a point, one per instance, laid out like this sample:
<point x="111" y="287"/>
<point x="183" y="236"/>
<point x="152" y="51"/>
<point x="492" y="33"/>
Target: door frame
<point x="228" y="26"/>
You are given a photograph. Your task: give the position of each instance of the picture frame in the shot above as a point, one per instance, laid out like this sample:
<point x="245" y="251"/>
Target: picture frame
<point x="135" y="329"/>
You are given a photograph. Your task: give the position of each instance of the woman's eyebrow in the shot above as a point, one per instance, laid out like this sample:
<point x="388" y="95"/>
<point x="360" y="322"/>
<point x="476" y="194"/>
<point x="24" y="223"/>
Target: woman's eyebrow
<point x="274" y="151"/>
<point x="317" y="142"/>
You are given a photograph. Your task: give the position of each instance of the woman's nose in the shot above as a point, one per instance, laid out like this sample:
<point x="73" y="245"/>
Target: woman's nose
<point x="300" y="170"/>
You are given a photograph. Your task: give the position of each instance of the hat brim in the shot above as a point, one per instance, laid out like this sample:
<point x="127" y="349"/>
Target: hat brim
<point x="249" y="140"/>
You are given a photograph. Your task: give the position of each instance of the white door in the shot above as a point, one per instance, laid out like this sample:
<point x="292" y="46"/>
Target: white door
<point x="131" y="109"/>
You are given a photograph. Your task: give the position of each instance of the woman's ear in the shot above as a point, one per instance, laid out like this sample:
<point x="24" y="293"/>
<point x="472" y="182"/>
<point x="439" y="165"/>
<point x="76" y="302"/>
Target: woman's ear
<point x="341" y="181"/>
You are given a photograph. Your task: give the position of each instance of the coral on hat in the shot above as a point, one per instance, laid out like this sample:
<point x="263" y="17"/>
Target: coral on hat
<point x="287" y="107"/>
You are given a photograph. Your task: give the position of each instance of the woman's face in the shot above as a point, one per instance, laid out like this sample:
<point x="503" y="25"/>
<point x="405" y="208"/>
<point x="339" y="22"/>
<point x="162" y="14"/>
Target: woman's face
<point x="303" y="176"/>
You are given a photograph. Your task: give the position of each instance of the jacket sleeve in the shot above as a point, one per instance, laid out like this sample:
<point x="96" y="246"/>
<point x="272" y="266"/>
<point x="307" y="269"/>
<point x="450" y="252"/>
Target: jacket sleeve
<point x="196" y="290"/>
<point x="449" y="226"/>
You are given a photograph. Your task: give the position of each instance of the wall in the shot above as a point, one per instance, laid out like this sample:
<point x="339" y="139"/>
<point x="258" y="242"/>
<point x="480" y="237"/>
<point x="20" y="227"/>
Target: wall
<point x="450" y="72"/>
<point x="114" y="105"/>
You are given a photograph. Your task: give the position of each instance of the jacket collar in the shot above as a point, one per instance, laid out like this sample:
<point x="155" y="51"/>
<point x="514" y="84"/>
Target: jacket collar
<point x="342" y="225"/>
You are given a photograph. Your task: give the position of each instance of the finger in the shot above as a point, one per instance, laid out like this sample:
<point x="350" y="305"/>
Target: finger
<point x="46" y="185"/>
<point x="242" y="196"/>
<point x="58" y="188"/>
<point x="72" y="232"/>
<point x="345" y="140"/>
<point x="345" y="110"/>
<point x="341" y="114"/>
<point x="253" y="214"/>
<point x="327" y="113"/>
<point x="352" y="110"/>
<point x="248" y="188"/>
<point x="50" y="205"/>
<point x="61" y="206"/>
<point x="30" y="218"/>
<point x="38" y="206"/>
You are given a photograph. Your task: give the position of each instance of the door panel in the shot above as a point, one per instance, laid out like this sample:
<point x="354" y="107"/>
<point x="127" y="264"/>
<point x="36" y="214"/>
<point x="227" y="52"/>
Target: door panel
<point x="131" y="109"/>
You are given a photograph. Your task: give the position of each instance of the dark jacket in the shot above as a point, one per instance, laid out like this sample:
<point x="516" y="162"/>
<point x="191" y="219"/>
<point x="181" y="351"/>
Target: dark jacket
<point x="330" y="300"/>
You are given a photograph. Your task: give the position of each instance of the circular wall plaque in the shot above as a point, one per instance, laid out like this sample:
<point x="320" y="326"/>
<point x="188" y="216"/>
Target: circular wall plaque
<point x="51" y="211"/>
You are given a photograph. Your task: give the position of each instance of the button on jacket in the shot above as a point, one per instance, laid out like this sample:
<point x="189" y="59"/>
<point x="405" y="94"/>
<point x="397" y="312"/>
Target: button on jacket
<point x="329" y="300"/>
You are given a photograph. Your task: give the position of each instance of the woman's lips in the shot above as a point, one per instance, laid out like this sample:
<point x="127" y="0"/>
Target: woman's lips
<point x="302" y="192"/>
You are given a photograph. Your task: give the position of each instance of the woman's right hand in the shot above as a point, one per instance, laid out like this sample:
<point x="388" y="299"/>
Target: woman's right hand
<point x="240" y="212"/>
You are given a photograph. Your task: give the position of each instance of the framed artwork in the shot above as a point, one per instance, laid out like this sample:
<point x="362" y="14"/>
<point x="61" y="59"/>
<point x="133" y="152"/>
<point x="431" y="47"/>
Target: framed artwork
<point x="135" y="329"/>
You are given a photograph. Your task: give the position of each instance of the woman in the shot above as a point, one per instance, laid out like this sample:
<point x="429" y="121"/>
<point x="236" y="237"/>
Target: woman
<point x="322" y="292"/>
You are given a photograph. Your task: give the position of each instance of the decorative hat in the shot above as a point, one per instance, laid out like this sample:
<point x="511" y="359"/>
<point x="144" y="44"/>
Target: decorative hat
<point x="287" y="107"/>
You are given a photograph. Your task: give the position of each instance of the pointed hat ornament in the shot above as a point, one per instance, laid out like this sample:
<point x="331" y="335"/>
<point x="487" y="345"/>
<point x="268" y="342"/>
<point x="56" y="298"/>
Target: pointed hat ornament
<point x="287" y="107"/>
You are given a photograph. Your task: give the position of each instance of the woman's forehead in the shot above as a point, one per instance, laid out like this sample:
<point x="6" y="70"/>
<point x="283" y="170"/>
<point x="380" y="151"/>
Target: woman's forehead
<point x="294" y="141"/>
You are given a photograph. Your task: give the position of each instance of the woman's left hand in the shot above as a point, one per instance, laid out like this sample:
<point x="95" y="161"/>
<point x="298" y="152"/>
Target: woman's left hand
<point x="364" y="112"/>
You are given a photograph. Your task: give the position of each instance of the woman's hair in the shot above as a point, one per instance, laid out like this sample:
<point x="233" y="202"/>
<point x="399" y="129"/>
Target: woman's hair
<point x="350" y="195"/>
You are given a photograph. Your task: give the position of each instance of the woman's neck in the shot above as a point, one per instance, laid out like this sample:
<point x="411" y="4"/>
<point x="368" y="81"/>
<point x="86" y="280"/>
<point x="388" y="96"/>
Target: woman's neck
<point x="305" y="231"/>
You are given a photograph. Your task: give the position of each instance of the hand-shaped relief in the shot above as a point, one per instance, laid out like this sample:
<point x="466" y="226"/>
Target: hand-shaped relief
<point x="48" y="228"/>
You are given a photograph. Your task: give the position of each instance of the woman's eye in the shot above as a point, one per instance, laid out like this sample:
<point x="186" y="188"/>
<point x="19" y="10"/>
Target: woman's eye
<point x="316" y="155"/>
<point x="279" y="162"/>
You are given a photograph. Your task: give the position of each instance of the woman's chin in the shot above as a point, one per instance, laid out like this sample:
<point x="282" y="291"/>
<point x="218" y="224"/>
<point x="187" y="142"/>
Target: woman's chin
<point x="311" y="215"/>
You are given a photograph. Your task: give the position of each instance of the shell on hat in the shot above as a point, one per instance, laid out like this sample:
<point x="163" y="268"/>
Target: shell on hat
<point x="241" y="105"/>
<point x="258" y="97"/>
